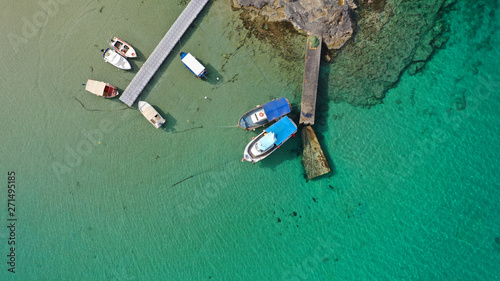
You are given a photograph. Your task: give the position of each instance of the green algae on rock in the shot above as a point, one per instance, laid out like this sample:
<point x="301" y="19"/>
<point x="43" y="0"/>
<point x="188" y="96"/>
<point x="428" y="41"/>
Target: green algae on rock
<point x="313" y="158"/>
<point x="389" y="40"/>
<point x="331" y="19"/>
<point x="391" y="37"/>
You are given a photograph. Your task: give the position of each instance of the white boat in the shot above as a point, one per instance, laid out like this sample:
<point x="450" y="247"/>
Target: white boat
<point x="112" y="57"/>
<point x="194" y="65"/>
<point x="269" y="140"/>
<point x="151" y="114"/>
<point x="101" y="89"/>
<point x="122" y="47"/>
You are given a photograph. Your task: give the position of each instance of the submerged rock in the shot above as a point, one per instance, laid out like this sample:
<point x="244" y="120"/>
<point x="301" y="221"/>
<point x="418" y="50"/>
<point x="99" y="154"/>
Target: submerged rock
<point x="313" y="158"/>
<point x="390" y="37"/>
<point x="393" y="36"/>
<point x="459" y="100"/>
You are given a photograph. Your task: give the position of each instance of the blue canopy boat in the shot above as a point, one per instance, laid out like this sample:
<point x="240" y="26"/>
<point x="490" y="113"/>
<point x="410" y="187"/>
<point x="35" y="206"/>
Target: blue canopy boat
<point x="264" y="114"/>
<point x="269" y="140"/>
<point x="193" y="64"/>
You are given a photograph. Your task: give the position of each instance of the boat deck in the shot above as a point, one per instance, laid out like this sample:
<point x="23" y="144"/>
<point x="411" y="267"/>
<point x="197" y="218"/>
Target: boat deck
<point x="161" y="51"/>
<point x="310" y="86"/>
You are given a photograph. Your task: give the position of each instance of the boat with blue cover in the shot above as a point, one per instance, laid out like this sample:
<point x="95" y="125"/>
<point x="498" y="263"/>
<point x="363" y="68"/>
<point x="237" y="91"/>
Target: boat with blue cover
<point x="193" y="64"/>
<point x="269" y="140"/>
<point x="261" y="115"/>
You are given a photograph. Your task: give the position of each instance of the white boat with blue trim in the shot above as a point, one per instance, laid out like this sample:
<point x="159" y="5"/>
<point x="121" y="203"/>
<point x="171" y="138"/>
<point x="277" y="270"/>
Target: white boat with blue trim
<point x="193" y="65"/>
<point x="269" y="140"/>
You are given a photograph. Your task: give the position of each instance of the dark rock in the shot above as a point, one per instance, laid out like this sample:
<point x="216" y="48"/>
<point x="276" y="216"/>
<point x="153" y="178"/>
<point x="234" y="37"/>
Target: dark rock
<point x="460" y="103"/>
<point x="333" y="20"/>
<point x="396" y="36"/>
<point x="416" y="67"/>
<point x="392" y="36"/>
<point x="459" y="100"/>
<point x="313" y="158"/>
<point x="255" y="3"/>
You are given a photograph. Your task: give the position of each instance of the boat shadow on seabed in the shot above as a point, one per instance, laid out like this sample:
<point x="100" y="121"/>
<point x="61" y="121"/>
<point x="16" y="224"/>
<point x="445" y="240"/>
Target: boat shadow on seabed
<point x="213" y="76"/>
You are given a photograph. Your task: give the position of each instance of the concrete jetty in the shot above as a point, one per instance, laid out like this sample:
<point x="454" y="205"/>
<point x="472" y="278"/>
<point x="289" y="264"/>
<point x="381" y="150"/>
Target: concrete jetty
<point x="313" y="158"/>
<point x="161" y="51"/>
<point x="311" y="74"/>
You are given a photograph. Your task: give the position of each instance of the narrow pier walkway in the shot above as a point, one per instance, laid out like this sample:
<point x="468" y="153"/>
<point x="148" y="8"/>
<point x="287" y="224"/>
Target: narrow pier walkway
<point x="310" y="86"/>
<point x="161" y="51"/>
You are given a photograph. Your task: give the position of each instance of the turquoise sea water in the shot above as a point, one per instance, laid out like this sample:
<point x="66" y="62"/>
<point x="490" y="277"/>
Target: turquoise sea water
<point x="102" y="195"/>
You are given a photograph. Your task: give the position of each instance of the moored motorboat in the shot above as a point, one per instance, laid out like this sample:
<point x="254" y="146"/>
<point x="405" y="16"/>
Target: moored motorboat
<point x="269" y="140"/>
<point x="101" y="89"/>
<point x="264" y="114"/>
<point x="112" y="57"/>
<point x="122" y="47"/>
<point x="151" y="114"/>
<point x="193" y="64"/>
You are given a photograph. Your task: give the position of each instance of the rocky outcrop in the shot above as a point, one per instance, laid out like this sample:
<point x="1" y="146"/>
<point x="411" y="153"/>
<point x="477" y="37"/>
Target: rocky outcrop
<point x="332" y="19"/>
<point x="392" y="36"/>
<point x="313" y="158"/>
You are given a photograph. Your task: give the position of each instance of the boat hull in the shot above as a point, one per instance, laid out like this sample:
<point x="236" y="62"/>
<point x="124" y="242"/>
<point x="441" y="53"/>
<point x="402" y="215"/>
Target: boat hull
<point x="283" y="130"/>
<point x="101" y="89"/>
<point x="249" y="153"/>
<point x="247" y="120"/>
<point x="191" y="63"/>
<point x="112" y="57"/>
<point x="151" y="114"/>
<point x="113" y="92"/>
<point x="122" y="47"/>
<point x="262" y="115"/>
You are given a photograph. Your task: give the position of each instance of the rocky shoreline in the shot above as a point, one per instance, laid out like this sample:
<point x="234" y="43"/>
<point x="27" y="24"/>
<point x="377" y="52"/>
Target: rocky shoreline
<point x="333" y="19"/>
<point x="370" y="43"/>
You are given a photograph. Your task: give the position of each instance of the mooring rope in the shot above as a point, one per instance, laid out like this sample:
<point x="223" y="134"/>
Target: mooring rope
<point x="203" y="127"/>
<point x="233" y="126"/>
<point x="204" y="171"/>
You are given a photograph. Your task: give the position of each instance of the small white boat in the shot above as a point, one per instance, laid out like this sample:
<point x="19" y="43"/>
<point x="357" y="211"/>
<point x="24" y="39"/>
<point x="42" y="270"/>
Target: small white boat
<point x="193" y="64"/>
<point x="112" y="57"/>
<point x="151" y="114"/>
<point x="101" y="89"/>
<point x="122" y="47"/>
<point x="269" y="140"/>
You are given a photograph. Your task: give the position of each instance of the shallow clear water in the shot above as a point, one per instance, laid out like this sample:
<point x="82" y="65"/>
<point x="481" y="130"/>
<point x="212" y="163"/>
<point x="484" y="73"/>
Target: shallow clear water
<point x="102" y="195"/>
